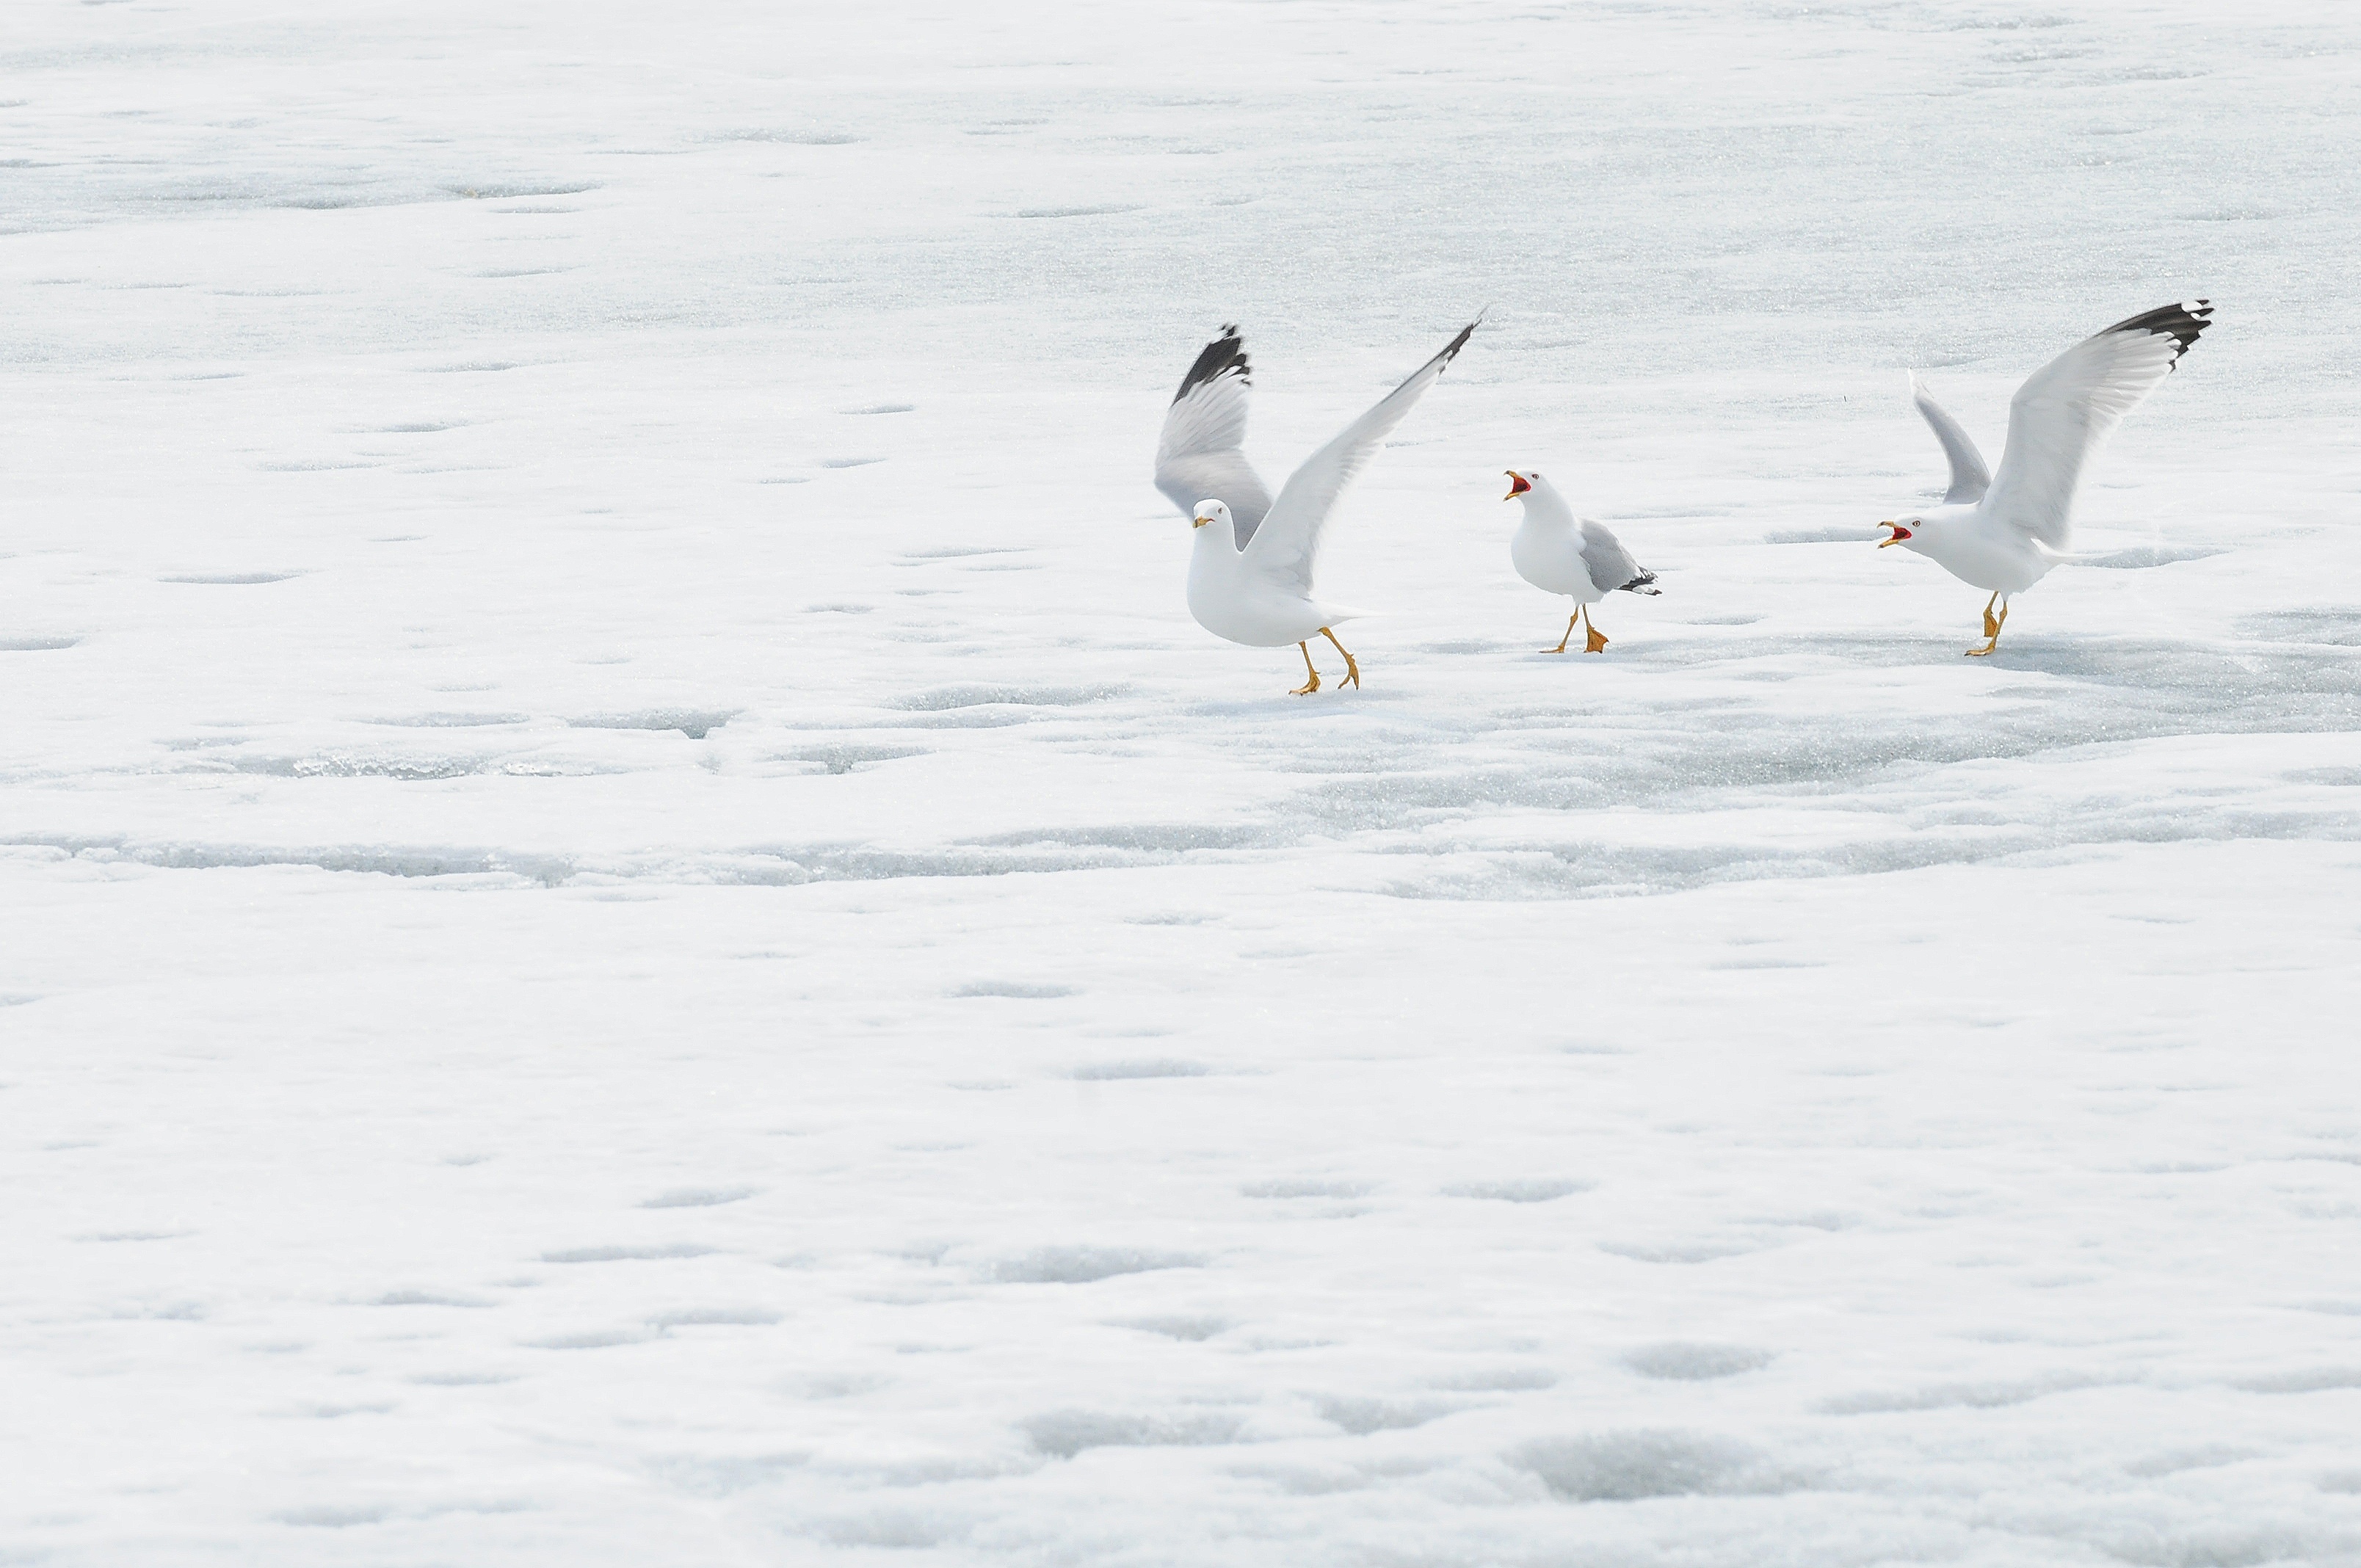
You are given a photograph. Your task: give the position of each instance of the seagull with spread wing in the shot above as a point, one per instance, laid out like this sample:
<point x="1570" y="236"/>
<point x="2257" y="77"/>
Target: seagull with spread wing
<point x="2003" y="533"/>
<point x="1250" y="575"/>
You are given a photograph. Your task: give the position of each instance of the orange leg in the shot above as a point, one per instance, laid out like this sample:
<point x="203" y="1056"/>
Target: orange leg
<point x="1992" y="629"/>
<point x="1308" y="687"/>
<point x="1352" y="667"/>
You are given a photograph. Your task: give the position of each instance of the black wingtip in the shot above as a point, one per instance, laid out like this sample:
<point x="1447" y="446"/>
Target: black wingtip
<point x="1639" y="584"/>
<point x="1450" y="350"/>
<point x="2180" y="321"/>
<point x="1224" y="355"/>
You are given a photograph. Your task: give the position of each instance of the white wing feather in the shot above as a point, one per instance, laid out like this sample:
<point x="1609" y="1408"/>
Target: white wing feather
<point x="1201" y="456"/>
<point x="1287" y="546"/>
<point x="1969" y="478"/>
<point x="2063" y="414"/>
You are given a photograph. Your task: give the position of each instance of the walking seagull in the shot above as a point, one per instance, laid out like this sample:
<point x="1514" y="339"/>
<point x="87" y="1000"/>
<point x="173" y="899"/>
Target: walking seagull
<point x="1559" y="554"/>
<point x="1250" y="574"/>
<point x="2005" y="533"/>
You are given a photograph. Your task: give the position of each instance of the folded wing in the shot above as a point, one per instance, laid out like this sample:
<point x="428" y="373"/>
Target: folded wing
<point x="1288" y="544"/>
<point x="1969" y="478"/>
<point x="1200" y="458"/>
<point x="2059" y="417"/>
<point x="1609" y="564"/>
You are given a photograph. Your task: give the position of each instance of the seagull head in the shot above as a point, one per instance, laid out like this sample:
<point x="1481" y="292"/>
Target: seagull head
<point x="1520" y="485"/>
<point x="1906" y="531"/>
<point x="1211" y="512"/>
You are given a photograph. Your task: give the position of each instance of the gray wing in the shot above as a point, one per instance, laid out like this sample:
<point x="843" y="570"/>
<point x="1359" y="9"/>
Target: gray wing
<point x="1969" y="478"/>
<point x="1200" y="458"/>
<point x="1288" y="543"/>
<point x="1609" y="564"/>
<point x="2066" y="409"/>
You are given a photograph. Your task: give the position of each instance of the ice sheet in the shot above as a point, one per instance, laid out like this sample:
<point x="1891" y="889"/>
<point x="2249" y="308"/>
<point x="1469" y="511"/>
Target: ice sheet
<point x="635" y="927"/>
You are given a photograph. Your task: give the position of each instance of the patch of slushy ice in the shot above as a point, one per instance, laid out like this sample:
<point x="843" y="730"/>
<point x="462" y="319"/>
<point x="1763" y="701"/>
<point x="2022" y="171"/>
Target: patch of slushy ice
<point x="1144" y="838"/>
<point x="796" y="137"/>
<point x="715" y="1317"/>
<point x="1520" y="1190"/>
<point x="1701" y="1251"/>
<point x="502" y="190"/>
<point x="1103" y="210"/>
<point x="1982" y="1396"/>
<point x="1086" y="1265"/>
<point x="1306" y="1188"/>
<point x="1822" y="536"/>
<point x="661" y="1253"/>
<point x="1362" y="1416"/>
<point x="346" y="765"/>
<point x="1686" y="1361"/>
<point x="1121" y="1071"/>
<point x="1626" y="1467"/>
<point x="2334" y="625"/>
<point x="2174" y="1462"/>
<point x="2141" y="557"/>
<point x="591" y="1339"/>
<point x="698" y="1197"/>
<point x="2304" y="1380"/>
<point x="432" y="1298"/>
<point x="1497" y="1380"/>
<point x="695" y="723"/>
<point x="452" y="720"/>
<point x="791" y="867"/>
<point x="849" y="757"/>
<point x="943" y="699"/>
<point x="724" y="1474"/>
<point x="894" y="1527"/>
<point x="418" y="862"/>
<point x="2231" y="1546"/>
<point x="1065" y="1433"/>
<point x="334" y="1516"/>
<point x="1180" y="1326"/>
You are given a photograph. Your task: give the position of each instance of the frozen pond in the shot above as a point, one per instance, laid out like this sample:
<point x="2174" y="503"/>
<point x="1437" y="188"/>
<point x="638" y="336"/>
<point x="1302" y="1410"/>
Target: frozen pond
<point x="635" y="927"/>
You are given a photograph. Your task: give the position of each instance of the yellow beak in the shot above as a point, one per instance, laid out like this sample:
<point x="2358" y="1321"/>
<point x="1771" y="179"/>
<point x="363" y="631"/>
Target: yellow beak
<point x="1896" y="538"/>
<point x="1201" y="523"/>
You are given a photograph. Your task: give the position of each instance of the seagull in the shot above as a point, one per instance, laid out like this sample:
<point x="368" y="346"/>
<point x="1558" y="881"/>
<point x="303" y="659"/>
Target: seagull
<point x="1250" y="572"/>
<point x="1559" y="554"/>
<point x="2005" y="533"/>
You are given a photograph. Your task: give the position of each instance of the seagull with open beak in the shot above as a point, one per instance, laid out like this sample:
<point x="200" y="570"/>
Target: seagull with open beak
<point x="2004" y="534"/>
<point x="1561" y="554"/>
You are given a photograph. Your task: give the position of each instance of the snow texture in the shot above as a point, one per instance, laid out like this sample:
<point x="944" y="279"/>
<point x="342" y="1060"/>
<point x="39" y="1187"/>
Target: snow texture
<point x="635" y="927"/>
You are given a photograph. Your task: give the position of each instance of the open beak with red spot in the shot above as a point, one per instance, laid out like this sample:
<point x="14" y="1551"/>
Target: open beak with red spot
<point x="1517" y="486"/>
<point x="1900" y="533"/>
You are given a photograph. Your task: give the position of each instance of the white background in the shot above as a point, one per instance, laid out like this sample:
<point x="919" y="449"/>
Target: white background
<point x="638" y="929"/>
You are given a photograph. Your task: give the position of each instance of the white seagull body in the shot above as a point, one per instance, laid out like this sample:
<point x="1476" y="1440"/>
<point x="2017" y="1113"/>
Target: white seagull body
<point x="2004" y="534"/>
<point x="1561" y="554"/>
<point x="1250" y="575"/>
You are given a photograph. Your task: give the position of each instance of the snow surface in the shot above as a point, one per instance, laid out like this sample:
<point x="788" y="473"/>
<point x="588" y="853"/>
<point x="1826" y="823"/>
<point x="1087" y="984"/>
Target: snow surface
<point x="637" y="929"/>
